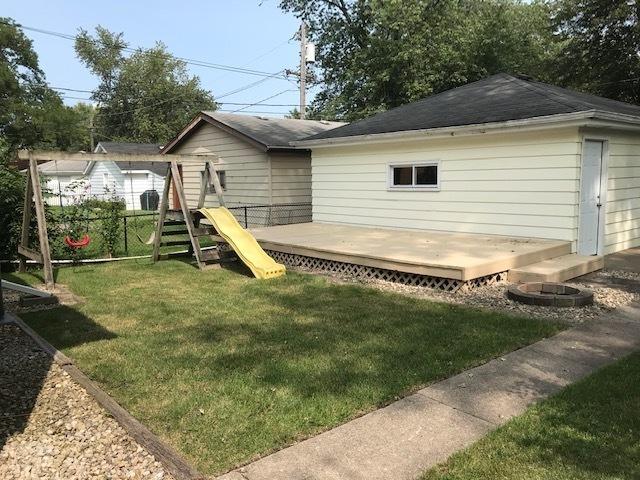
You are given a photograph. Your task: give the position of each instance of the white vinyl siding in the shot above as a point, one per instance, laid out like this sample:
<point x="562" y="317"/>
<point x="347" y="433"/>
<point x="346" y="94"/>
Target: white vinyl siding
<point x="622" y="227"/>
<point x="69" y="185"/>
<point x="291" y="178"/>
<point x="138" y="182"/>
<point x="246" y="168"/>
<point x="517" y="184"/>
<point x="106" y="170"/>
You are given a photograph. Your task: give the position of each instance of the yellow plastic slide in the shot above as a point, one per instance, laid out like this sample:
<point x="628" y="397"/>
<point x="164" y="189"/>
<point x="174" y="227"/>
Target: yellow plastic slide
<point x="244" y="244"/>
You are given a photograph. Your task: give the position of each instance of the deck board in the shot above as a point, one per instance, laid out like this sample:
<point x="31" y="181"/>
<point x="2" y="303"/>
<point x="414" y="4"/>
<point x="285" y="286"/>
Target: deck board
<point x="443" y="254"/>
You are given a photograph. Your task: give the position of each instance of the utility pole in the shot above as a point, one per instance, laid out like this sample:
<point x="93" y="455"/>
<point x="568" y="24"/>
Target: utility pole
<point x="303" y="70"/>
<point x="93" y="147"/>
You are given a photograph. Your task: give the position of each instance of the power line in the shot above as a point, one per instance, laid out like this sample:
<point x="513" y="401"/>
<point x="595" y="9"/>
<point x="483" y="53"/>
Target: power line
<point x="221" y="103"/>
<point x="248" y="86"/>
<point x="227" y="94"/>
<point x="267" y="76"/>
<point x="254" y="112"/>
<point x="77" y="98"/>
<point x="617" y="81"/>
<point x="167" y="100"/>
<point x="256" y="58"/>
<point x="263" y="100"/>
<point x="190" y="61"/>
<point x="65" y="89"/>
<point x="262" y="104"/>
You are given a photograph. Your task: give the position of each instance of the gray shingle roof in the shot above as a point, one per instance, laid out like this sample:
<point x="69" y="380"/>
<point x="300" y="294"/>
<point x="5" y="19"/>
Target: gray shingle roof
<point x="135" y="149"/>
<point x="129" y="147"/>
<point x="157" y="168"/>
<point x="77" y="168"/>
<point x="271" y="132"/>
<point x="62" y="166"/>
<point x="497" y="98"/>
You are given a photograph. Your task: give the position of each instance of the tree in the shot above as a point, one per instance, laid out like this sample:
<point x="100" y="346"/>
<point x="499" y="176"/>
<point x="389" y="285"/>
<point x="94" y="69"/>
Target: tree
<point x="600" y="47"/>
<point x="145" y="97"/>
<point x="378" y="54"/>
<point x="31" y="113"/>
<point x="63" y="127"/>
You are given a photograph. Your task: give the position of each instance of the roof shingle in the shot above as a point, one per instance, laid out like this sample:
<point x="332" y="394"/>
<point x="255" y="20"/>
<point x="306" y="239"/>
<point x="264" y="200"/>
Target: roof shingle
<point x="129" y="147"/>
<point x="498" y="98"/>
<point x="272" y="132"/>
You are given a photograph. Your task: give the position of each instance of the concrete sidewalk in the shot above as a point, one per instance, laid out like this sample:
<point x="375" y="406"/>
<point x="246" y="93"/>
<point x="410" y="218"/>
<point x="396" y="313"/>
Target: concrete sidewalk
<point x="413" y="434"/>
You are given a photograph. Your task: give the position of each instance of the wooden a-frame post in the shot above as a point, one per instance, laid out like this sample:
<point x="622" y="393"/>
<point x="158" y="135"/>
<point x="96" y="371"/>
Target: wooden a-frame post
<point x="173" y="177"/>
<point x="33" y="194"/>
<point x="164" y="206"/>
<point x="209" y="178"/>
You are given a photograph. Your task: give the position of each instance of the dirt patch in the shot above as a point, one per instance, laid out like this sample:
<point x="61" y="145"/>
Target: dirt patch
<point x="65" y="297"/>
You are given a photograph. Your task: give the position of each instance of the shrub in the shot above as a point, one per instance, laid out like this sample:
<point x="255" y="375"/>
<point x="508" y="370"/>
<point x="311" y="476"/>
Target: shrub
<point x="12" y="184"/>
<point x="110" y="225"/>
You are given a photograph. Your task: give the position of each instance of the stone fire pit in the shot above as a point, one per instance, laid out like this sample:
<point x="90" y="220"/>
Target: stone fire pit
<point x="550" y="294"/>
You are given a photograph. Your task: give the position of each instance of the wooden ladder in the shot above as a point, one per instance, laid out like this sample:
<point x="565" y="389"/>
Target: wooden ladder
<point x="185" y="221"/>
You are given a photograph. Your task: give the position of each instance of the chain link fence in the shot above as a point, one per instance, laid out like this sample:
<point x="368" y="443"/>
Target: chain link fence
<point x="254" y="216"/>
<point x="136" y="229"/>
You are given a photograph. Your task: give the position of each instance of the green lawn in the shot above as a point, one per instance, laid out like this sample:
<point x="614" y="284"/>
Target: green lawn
<point x="226" y="367"/>
<point x="589" y="431"/>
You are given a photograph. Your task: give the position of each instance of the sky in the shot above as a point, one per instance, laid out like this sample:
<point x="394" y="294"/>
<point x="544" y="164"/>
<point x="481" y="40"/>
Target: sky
<point x="252" y="34"/>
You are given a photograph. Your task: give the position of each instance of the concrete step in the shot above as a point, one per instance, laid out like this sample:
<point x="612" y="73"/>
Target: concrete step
<point x="557" y="269"/>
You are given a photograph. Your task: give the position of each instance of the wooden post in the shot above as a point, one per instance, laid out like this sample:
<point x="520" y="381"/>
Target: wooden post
<point x="164" y="206"/>
<point x="213" y="175"/>
<point x="26" y="220"/>
<point x="204" y="183"/>
<point x="179" y="190"/>
<point x="42" y="222"/>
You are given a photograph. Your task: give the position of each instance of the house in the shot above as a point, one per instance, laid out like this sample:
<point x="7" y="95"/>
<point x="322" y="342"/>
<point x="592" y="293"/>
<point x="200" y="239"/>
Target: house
<point x="259" y="166"/>
<point x="64" y="181"/>
<point x="504" y="156"/>
<point x="125" y="180"/>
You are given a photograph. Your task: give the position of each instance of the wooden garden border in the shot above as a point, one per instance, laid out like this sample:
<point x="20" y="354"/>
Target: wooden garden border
<point x="171" y="460"/>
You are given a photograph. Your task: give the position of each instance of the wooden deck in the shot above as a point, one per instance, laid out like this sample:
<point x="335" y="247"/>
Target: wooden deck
<point x="439" y="254"/>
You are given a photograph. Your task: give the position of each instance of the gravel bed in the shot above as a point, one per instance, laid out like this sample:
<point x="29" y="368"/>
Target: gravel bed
<point x="50" y="428"/>
<point x="607" y="296"/>
<point x="12" y="299"/>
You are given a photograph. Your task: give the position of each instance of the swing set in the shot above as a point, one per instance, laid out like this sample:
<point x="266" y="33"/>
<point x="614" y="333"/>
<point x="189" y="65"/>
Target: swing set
<point x="169" y="223"/>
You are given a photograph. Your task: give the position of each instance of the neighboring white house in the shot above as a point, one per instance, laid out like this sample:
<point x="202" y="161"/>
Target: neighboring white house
<point x="503" y="156"/>
<point x="260" y="167"/>
<point x="127" y="180"/>
<point x="69" y="181"/>
<point x="64" y="181"/>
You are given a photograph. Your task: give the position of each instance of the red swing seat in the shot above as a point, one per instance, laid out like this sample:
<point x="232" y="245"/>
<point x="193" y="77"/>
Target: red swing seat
<point x="76" y="244"/>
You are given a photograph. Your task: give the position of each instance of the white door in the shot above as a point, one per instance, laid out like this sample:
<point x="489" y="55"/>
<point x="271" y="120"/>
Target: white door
<point x="591" y="190"/>
<point x="134" y="184"/>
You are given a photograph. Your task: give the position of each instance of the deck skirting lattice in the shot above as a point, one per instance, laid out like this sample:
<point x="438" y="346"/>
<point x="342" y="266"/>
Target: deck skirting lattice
<point x="374" y="273"/>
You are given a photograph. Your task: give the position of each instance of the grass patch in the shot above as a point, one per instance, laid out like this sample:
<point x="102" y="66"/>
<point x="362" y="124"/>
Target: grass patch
<point x="226" y="367"/>
<point x="589" y="431"/>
